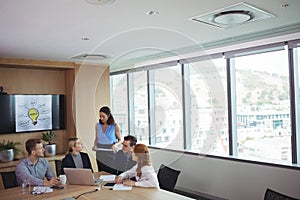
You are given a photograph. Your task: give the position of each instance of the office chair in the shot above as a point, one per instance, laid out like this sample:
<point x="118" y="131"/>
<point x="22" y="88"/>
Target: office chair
<point x="58" y="167"/>
<point x="167" y="177"/>
<point x="9" y="179"/>
<point x="273" y="195"/>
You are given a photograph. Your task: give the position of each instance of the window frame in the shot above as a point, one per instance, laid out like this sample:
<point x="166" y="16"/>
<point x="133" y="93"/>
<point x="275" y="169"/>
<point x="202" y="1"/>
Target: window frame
<point x="232" y="129"/>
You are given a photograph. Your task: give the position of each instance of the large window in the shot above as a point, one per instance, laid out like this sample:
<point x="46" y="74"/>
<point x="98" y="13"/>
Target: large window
<point x="243" y="103"/>
<point x="263" y="107"/>
<point x="140" y="103"/>
<point x="208" y="107"/>
<point x="168" y="108"/>
<point x="119" y="102"/>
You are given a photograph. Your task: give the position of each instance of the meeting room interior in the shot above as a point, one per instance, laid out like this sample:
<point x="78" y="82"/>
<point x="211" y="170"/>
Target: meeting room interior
<point x="212" y="88"/>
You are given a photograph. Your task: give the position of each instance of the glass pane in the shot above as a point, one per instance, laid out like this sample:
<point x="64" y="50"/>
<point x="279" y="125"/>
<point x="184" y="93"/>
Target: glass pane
<point x="209" y="124"/>
<point x="168" y="108"/>
<point x="119" y="105"/>
<point x="141" y="127"/>
<point x="297" y="92"/>
<point x="263" y="107"/>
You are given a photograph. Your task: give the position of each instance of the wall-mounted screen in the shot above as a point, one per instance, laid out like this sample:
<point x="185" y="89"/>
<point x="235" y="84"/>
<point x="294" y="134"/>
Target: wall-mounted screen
<point x="28" y="113"/>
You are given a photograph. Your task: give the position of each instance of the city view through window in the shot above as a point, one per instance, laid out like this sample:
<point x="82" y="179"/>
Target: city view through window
<point x="261" y="107"/>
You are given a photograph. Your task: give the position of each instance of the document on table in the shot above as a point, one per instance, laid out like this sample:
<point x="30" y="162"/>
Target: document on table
<point x="108" y="177"/>
<point x="41" y="190"/>
<point x="102" y="149"/>
<point x="121" y="187"/>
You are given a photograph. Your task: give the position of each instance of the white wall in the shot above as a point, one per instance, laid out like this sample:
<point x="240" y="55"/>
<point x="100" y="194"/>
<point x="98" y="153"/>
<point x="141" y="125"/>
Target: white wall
<point x="228" y="179"/>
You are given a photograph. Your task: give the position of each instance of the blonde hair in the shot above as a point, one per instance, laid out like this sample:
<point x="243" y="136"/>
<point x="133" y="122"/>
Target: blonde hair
<point x="72" y="143"/>
<point x="142" y="154"/>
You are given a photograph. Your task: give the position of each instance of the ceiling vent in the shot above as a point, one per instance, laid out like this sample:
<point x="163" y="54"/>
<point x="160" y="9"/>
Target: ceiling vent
<point x="90" y="56"/>
<point x="100" y="2"/>
<point x="232" y="16"/>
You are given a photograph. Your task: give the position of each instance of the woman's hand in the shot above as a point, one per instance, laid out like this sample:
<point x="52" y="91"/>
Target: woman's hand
<point x="118" y="179"/>
<point x="114" y="148"/>
<point x="128" y="182"/>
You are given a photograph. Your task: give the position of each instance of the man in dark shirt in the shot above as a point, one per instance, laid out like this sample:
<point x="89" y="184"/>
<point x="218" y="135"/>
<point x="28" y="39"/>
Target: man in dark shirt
<point x="123" y="158"/>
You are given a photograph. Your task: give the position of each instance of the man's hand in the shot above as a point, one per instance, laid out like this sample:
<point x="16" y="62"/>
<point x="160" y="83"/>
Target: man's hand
<point x="53" y="181"/>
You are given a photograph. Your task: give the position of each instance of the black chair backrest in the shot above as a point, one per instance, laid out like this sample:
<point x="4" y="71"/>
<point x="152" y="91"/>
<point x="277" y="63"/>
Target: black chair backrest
<point x="9" y="179"/>
<point x="58" y="167"/>
<point x="273" y="195"/>
<point x="167" y="177"/>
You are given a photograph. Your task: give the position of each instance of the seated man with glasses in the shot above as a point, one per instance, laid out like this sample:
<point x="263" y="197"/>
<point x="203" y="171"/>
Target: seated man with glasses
<point x="123" y="158"/>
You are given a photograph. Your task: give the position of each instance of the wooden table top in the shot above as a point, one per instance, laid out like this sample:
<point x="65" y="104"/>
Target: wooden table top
<point x="104" y="193"/>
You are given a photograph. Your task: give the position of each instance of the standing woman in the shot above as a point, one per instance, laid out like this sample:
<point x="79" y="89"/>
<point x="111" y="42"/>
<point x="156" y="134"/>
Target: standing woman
<point x="107" y="140"/>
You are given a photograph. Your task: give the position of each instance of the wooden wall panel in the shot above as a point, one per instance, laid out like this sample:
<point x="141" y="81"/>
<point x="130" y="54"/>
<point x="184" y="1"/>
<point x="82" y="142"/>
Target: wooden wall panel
<point x="32" y="81"/>
<point x="50" y="78"/>
<point x="19" y="76"/>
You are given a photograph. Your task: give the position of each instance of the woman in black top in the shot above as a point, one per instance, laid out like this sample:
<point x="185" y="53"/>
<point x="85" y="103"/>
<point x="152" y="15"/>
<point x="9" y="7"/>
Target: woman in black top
<point x="75" y="158"/>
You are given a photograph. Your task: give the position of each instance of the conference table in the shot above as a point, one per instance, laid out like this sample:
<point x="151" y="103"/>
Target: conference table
<point x="72" y="191"/>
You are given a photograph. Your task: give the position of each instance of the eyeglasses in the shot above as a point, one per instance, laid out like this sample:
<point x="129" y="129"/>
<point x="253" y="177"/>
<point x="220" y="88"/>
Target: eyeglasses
<point x="125" y="145"/>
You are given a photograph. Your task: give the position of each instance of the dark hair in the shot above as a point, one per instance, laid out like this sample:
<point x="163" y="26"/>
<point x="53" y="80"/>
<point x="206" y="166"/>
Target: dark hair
<point x="106" y="110"/>
<point x="30" y="145"/>
<point x="132" y="139"/>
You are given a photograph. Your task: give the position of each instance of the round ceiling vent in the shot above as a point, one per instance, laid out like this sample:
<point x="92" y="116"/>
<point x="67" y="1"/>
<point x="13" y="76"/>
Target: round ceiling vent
<point x="101" y="2"/>
<point x="232" y="17"/>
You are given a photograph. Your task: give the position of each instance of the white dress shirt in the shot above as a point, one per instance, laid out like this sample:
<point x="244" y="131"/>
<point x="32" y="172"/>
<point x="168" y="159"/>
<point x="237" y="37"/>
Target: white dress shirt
<point x="147" y="179"/>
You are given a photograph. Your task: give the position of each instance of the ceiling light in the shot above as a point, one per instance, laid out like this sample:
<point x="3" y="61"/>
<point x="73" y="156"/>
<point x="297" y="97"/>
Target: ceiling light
<point x="85" y="38"/>
<point x="152" y="12"/>
<point x="232" y="17"/>
<point x="90" y="56"/>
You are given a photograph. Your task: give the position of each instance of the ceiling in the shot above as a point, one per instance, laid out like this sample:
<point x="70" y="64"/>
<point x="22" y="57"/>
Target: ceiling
<point x="123" y="32"/>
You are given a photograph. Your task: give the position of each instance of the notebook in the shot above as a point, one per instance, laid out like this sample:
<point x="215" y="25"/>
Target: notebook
<point x="80" y="176"/>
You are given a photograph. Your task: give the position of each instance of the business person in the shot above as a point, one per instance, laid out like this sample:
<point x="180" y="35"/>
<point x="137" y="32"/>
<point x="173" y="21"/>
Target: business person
<point x="75" y="158"/>
<point x="107" y="140"/>
<point x="123" y="158"/>
<point x="34" y="168"/>
<point x="143" y="171"/>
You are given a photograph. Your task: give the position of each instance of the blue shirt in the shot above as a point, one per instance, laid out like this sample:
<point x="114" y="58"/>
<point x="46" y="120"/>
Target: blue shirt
<point x="33" y="173"/>
<point x="109" y="136"/>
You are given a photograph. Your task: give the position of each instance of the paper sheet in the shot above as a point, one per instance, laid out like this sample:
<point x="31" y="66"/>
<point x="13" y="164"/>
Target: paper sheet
<point x="41" y="190"/>
<point x="121" y="187"/>
<point x="108" y="177"/>
<point x="101" y="149"/>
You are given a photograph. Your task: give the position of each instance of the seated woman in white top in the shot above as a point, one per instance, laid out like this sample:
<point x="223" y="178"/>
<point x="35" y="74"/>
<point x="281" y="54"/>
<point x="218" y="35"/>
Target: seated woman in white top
<point x="143" y="171"/>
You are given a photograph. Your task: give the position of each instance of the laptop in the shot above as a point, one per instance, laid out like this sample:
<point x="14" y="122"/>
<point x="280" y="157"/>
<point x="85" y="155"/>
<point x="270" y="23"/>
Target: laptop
<point x="80" y="176"/>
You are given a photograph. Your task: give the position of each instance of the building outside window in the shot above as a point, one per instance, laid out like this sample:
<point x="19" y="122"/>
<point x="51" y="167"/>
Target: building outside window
<point x="119" y="101"/>
<point x="263" y="107"/>
<point x="208" y="107"/>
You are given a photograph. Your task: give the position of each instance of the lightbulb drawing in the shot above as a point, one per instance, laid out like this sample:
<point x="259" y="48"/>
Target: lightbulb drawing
<point x="33" y="114"/>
